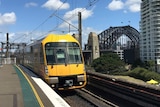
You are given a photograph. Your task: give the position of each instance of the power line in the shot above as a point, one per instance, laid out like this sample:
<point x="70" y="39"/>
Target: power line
<point x="49" y="17"/>
<point x="91" y="3"/>
<point x="43" y="21"/>
<point x="83" y="9"/>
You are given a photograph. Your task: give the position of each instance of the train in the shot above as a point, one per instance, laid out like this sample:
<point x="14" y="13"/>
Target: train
<point x="57" y="59"/>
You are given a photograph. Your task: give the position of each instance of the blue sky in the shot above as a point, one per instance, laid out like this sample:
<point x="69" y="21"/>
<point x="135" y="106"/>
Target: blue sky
<point x="33" y="19"/>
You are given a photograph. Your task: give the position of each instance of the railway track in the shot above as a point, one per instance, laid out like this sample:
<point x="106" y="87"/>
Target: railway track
<point x="84" y="98"/>
<point x="80" y="97"/>
<point x="95" y="99"/>
<point x="105" y="91"/>
<point x="125" y="94"/>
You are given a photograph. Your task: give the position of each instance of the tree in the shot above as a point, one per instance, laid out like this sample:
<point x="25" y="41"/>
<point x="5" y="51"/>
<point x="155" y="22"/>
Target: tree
<point x="137" y="63"/>
<point x="150" y="65"/>
<point x="108" y="63"/>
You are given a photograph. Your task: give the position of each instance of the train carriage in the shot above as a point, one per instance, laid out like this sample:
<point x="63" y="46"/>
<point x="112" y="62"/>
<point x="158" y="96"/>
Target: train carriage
<point x="58" y="60"/>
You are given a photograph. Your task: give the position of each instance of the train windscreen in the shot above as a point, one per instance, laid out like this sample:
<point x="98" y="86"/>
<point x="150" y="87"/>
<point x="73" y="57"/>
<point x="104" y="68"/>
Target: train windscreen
<point x="62" y="53"/>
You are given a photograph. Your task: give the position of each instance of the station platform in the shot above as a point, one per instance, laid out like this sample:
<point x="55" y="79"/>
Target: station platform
<point x="18" y="89"/>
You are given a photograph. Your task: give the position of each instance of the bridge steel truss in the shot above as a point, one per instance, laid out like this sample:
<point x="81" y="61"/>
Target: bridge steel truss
<point x="108" y="37"/>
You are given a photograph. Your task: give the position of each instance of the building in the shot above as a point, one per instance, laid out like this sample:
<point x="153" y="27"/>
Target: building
<point x="119" y="52"/>
<point x="150" y="31"/>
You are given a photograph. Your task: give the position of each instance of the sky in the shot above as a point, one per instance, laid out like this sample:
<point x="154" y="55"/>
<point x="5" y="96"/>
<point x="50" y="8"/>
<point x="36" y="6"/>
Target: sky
<point x="27" y="20"/>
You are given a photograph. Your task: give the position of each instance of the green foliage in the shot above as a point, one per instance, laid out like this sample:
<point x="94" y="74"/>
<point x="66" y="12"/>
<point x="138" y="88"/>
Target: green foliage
<point x="150" y="65"/>
<point x="108" y="63"/>
<point x="137" y="63"/>
<point x="143" y="74"/>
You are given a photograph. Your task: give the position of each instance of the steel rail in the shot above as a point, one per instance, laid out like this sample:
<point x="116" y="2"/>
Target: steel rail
<point x="141" y="95"/>
<point x="94" y="99"/>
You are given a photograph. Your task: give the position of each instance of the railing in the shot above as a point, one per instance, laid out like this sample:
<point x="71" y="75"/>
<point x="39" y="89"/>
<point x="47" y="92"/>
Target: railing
<point x="7" y="61"/>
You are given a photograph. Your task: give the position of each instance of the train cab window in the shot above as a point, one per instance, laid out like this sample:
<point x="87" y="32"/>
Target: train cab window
<point x="74" y="55"/>
<point x="60" y="54"/>
<point x="50" y="56"/>
<point x="63" y="53"/>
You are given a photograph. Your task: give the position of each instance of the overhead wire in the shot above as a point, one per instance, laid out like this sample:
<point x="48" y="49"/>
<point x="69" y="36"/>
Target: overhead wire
<point x="50" y="16"/>
<point x="91" y="3"/>
<point x="65" y="20"/>
<point x="73" y="15"/>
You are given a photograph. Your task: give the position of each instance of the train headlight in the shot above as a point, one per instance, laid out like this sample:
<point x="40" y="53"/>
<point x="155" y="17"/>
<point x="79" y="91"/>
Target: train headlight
<point x="80" y="83"/>
<point x="53" y="80"/>
<point x="80" y="78"/>
<point x="53" y="85"/>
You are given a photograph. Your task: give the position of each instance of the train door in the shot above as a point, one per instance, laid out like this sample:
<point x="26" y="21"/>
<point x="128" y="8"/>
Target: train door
<point x="62" y="62"/>
<point x="57" y="61"/>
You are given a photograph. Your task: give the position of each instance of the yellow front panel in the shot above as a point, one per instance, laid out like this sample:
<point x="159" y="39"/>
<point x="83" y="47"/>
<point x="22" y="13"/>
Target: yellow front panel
<point x="64" y="70"/>
<point x="77" y="68"/>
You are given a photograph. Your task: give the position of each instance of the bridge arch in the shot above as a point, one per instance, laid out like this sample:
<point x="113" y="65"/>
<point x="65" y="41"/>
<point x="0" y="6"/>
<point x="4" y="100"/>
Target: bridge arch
<point x="108" y="37"/>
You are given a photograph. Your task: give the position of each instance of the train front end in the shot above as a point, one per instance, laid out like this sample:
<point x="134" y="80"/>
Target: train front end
<point x="64" y="64"/>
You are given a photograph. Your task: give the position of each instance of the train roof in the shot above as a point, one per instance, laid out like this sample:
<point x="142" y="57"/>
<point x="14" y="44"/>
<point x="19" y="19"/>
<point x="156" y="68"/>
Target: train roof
<point x="55" y="38"/>
<point x="59" y="38"/>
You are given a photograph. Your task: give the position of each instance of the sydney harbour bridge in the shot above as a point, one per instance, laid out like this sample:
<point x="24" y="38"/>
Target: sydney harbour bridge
<point x="123" y="40"/>
<point x="109" y="41"/>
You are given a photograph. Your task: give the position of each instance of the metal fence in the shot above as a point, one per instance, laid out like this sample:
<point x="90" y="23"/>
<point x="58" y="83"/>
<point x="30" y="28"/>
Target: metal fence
<point x="7" y="61"/>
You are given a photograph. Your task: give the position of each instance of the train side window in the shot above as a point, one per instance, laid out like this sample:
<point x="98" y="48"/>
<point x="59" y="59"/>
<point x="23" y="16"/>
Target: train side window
<point x="41" y="54"/>
<point x="31" y="49"/>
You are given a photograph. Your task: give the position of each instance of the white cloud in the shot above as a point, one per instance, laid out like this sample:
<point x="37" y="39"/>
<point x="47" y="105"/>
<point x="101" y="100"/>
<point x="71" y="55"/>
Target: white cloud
<point x="130" y="2"/>
<point x="67" y="25"/>
<point x="25" y="36"/>
<point x="31" y="4"/>
<point x="55" y="4"/>
<point x="85" y="34"/>
<point x="133" y="5"/>
<point x="116" y="5"/>
<point x="134" y="8"/>
<point x="7" y="18"/>
<point x="128" y="5"/>
<point x="72" y="16"/>
<point x="11" y="35"/>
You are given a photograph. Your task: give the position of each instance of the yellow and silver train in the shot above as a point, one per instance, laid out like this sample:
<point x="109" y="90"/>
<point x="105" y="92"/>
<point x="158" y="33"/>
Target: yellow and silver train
<point x="57" y="59"/>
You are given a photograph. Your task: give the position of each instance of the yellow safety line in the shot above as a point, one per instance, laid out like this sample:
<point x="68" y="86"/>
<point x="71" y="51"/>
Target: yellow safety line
<point x="35" y="92"/>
